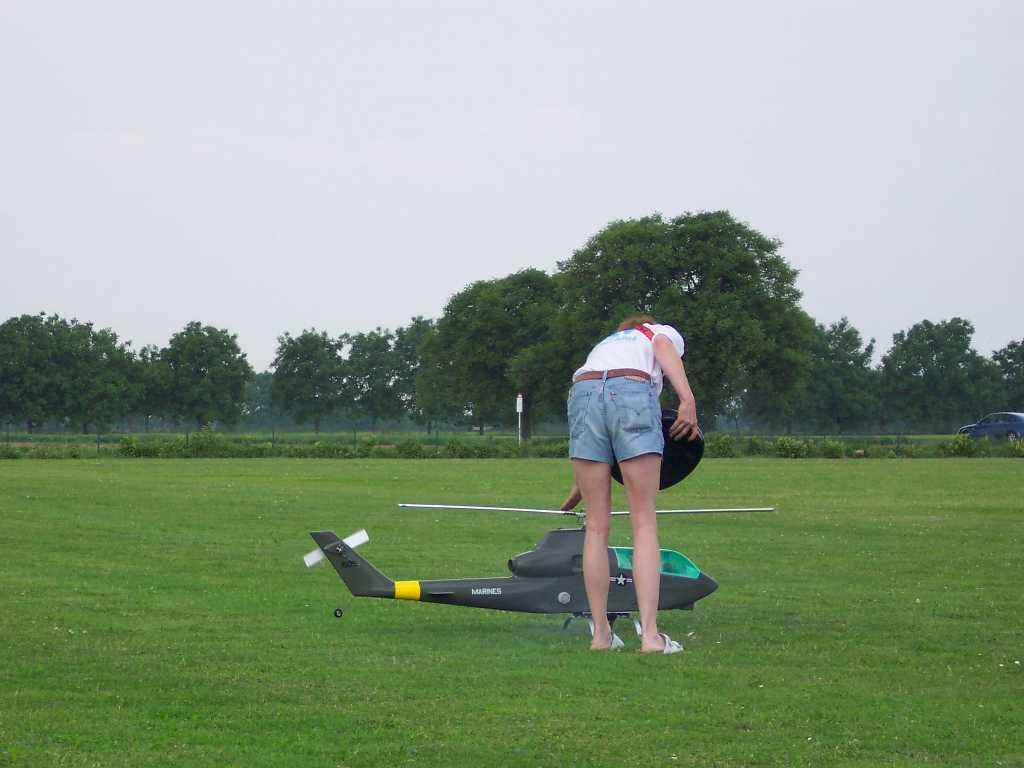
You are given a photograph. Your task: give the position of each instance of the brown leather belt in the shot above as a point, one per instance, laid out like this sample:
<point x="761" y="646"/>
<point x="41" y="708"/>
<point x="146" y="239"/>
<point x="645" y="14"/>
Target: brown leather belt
<point x="614" y="373"/>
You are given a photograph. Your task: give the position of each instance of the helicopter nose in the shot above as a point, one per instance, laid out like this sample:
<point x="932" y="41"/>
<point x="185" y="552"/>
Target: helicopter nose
<point x="706" y="584"/>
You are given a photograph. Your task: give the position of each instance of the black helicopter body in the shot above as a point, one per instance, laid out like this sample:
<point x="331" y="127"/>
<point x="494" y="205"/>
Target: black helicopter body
<point x="545" y="579"/>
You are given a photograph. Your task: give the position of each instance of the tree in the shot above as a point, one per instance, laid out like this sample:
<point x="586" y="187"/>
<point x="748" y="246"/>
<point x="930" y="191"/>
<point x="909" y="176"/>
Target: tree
<point x="932" y="379"/>
<point x="308" y="376"/>
<point x="372" y="375"/>
<point x="483" y="328"/>
<point x="434" y="399"/>
<point x="30" y="390"/>
<point x="150" y="384"/>
<point x="1010" y="360"/>
<point x="97" y="383"/>
<point x="52" y="368"/>
<point x="842" y="392"/>
<point x="407" y="350"/>
<point x="723" y="284"/>
<point x="259" y="411"/>
<point x="778" y="384"/>
<point x="206" y="374"/>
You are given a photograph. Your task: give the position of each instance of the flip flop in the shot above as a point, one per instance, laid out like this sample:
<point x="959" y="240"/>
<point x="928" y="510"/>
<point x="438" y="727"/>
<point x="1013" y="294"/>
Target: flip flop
<point x="615" y="644"/>
<point x="671" y="646"/>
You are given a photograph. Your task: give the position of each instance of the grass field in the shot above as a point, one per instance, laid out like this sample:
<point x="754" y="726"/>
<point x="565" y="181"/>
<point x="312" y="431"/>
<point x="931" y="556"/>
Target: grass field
<point x="158" y="613"/>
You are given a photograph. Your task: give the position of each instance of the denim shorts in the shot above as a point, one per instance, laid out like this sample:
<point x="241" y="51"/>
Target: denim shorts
<point x="613" y="420"/>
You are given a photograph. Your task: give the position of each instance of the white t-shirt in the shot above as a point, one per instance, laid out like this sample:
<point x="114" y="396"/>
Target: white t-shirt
<point x="632" y="349"/>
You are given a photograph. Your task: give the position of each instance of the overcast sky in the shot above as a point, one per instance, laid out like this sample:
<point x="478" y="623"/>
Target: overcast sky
<point x="268" y="167"/>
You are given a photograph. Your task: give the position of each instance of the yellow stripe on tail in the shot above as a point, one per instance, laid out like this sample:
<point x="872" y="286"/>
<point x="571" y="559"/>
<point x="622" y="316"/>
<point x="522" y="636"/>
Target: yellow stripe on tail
<point x="407" y="590"/>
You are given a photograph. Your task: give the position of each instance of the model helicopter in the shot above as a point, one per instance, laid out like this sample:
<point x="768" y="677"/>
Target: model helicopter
<point x="547" y="578"/>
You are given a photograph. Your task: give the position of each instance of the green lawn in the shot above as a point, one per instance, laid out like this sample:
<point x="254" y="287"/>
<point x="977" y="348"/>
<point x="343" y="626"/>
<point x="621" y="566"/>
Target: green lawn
<point x="158" y="613"/>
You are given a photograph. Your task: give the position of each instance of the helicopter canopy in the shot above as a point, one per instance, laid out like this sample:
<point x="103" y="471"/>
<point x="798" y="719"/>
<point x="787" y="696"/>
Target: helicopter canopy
<point x="672" y="563"/>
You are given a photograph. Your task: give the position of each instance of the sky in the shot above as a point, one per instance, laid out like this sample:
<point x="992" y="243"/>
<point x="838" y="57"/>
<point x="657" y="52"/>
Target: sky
<point x="267" y="166"/>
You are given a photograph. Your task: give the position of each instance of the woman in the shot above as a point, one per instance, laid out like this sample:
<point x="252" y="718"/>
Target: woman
<point x="614" y="415"/>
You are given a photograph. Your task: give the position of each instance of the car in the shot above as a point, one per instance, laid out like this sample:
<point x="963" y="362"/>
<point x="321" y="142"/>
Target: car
<point x="997" y="426"/>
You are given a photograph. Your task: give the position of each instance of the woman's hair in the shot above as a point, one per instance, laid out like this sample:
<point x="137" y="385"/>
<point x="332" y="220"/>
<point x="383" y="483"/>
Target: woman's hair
<point x="634" y="321"/>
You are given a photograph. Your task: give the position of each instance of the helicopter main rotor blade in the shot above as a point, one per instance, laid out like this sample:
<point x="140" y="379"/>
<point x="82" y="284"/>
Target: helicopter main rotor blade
<point x="488" y="509"/>
<point x="579" y="513"/>
<point x="706" y="511"/>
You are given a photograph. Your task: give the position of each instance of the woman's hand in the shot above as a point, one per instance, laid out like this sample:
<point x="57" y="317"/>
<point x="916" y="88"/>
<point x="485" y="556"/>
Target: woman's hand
<point x="572" y="499"/>
<point x="685" y="425"/>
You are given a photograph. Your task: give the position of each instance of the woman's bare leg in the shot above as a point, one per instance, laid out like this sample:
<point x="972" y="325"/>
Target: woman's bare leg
<point x="594" y="481"/>
<point x="641" y="476"/>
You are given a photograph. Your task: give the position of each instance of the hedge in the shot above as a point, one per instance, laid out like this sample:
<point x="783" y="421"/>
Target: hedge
<point x="207" y="444"/>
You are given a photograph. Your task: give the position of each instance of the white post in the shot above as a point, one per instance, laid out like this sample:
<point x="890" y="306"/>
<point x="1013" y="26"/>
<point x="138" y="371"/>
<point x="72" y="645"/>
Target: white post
<point x="519" y="413"/>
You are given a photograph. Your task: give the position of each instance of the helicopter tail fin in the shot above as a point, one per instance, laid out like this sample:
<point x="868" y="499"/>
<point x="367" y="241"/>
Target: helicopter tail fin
<point x="359" y="575"/>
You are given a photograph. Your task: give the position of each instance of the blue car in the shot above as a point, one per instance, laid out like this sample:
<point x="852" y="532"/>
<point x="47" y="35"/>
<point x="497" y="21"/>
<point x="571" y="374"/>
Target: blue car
<point x="996" y="426"/>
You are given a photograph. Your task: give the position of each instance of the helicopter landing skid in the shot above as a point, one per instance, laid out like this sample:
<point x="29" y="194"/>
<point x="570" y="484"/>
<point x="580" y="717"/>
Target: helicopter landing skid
<point x="586" y="615"/>
<point x="611" y="620"/>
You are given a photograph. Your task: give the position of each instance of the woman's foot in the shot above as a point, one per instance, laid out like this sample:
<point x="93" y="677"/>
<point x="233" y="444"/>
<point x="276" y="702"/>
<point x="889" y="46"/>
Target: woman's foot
<point x="604" y="638"/>
<point x="661" y="643"/>
<point x="613" y="644"/>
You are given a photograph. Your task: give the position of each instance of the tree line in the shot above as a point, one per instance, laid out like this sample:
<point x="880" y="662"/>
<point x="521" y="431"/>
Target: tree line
<point x="754" y="357"/>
